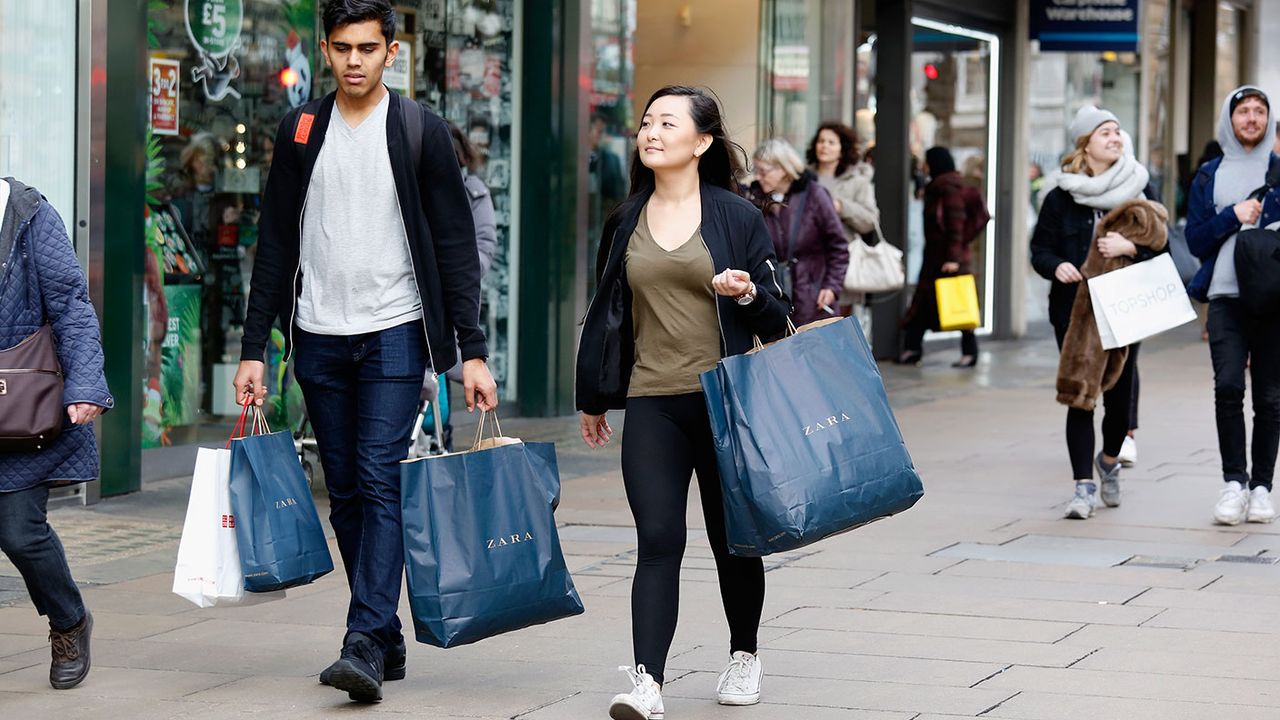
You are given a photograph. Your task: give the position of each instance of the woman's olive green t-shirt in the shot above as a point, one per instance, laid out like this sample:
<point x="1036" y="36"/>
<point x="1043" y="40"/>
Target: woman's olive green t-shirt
<point x="673" y="307"/>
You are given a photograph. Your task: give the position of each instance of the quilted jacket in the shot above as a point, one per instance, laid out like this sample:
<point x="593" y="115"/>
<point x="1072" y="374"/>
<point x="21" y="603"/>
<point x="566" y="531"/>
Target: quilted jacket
<point x="39" y="277"/>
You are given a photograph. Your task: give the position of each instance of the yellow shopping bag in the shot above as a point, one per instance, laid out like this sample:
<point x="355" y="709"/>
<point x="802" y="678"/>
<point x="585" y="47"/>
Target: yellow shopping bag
<point x="957" y="303"/>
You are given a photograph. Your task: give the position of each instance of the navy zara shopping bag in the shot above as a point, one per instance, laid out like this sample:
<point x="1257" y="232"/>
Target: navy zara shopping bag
<point x="806" y="442"/>
<point x="481" y="553"/>
<point x="278" y="531"/>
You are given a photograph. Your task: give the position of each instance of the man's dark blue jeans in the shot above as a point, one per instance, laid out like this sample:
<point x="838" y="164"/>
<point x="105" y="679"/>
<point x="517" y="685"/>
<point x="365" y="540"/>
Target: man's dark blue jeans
<point x="362" y="397"/>
<point x="33" y="547"/>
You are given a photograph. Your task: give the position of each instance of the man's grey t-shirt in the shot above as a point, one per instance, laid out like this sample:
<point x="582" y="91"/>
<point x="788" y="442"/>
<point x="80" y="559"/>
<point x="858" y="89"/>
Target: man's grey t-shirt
<point x="357" y="274"/>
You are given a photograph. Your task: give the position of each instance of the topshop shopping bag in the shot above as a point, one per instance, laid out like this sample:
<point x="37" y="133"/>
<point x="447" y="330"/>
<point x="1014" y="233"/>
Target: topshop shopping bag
<point x="481" y="552"/>
<point x="278" y="531"/>
<point x="958" y="303"/>
<point x="806" y="443"/>
<point x="1138" y="301"/>
<point x="208" y="569"/>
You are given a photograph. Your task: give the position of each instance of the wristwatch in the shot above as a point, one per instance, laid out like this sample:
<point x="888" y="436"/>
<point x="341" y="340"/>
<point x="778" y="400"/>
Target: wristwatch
<point x="747" y="297"/>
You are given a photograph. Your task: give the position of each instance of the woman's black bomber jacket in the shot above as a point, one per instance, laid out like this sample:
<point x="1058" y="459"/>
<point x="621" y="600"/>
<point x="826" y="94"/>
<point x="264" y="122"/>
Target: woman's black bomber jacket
<point x="736" y="237"/>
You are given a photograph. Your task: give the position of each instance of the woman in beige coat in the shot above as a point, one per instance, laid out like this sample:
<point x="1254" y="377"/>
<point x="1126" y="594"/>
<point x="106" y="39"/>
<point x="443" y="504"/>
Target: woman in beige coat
<point x="833" y="155"/>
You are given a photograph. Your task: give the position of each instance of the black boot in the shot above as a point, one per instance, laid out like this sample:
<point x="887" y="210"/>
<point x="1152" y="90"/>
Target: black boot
<point x="70" y="654"/>
<point x="360" y="669"/>
<point x="393" y="660"/>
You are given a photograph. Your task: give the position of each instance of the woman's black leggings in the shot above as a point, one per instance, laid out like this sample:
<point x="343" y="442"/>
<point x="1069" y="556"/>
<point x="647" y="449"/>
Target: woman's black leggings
<point x="665" y="441"/>
<point x="1119" y="417"/>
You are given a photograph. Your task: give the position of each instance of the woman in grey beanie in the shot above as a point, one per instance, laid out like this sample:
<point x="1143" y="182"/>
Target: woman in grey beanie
<point x="1097" y="176"/>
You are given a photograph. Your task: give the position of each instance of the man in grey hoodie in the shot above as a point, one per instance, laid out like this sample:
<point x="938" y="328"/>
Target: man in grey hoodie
<point x="1219" y="206"/>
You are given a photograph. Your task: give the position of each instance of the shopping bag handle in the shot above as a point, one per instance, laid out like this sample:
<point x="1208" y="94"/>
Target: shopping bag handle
<point x="259" y="426"/>
<point x="757" y="345"/>
<point x="487" y="418"/>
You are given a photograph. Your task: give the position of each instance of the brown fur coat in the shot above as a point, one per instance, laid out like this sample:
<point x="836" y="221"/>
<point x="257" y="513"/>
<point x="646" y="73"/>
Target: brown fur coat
<point x="1085" y="370"/>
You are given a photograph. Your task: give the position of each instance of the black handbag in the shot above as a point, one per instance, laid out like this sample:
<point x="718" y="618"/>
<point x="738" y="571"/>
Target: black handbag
<point x="1257" y="260"/>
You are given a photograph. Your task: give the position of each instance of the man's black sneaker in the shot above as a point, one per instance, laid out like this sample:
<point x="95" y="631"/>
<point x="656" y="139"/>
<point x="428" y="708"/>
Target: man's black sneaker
<point x="70" y="654"/>
<point x="394" y="659"/>
<point x="394" y="662"/>
<point x="359" y="671"/>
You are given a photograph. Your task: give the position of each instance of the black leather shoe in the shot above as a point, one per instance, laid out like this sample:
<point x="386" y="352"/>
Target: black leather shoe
<point x="394" y="662"/>
<point x="360" y="669"/>
<point x="70" y="654"/>
<point x="966" y="361"/>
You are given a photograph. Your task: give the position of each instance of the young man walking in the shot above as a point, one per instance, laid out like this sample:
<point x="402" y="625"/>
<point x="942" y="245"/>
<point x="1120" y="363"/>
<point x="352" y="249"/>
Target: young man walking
<point x="367" y="254"/>
<point x="1219" y="205"/>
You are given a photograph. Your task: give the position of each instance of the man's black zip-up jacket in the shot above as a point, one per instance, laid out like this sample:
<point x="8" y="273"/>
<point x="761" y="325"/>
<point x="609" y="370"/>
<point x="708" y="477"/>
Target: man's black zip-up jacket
<point x="437" y="221"/>
<point x="736" y="237"/>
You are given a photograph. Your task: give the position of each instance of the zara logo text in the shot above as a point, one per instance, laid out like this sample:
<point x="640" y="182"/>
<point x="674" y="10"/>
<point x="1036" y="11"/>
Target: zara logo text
<point x="495" y="543"/>
<point x="825" y="423"/>
<point x="287" y="502"/>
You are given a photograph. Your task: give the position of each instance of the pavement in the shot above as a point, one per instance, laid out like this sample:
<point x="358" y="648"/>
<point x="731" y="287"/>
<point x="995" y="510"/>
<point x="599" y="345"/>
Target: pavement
<point x="979" y="602"/>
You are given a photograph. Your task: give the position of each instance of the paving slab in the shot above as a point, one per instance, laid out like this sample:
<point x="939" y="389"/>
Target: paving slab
<point x="1004" y="588"/>
<point x="996" y="652"/>
<point x="926" y="624"/>
<point x="799" y="663"/>
<point x="1062" y="706"/>
<point x="1140" y="685"/>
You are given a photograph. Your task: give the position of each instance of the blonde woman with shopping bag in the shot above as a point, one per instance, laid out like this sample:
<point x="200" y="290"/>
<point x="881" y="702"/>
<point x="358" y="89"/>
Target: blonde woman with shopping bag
<point x="1098" y="176"/>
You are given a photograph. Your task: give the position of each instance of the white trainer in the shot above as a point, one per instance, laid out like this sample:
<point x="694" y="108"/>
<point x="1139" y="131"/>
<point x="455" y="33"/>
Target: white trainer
<point x="1232" y="505"/>
<point x="1260" y="508"/>
<point x="1082" y="503"/>
<point x="644" y="702"/>
<point x="1128" y="456"/>
<point x="739" y="684"/>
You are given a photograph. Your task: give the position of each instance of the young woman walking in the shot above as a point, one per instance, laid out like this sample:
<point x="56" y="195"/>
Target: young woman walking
<point x="1098" y="176"/>
<point x="687" y="276"/>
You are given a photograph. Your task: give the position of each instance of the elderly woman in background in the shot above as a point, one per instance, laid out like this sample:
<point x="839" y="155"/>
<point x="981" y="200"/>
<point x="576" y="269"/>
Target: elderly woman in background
<point x="807" y="232"/>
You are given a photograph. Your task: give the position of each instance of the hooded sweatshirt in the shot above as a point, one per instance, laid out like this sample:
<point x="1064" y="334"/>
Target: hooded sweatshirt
<point x="1240" y="173"/>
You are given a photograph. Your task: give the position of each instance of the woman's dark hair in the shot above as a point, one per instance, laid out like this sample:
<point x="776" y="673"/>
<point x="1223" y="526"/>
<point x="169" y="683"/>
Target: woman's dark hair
<point x="721" y="165"/>
<point x="848" y="146"/>
<point x="463" y="148"/>
<point x="350" y="12"/>
<point x="939" y="160"/>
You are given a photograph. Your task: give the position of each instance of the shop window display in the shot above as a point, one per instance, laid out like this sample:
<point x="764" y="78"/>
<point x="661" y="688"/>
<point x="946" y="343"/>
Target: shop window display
<point x="223" y="73"/>
<point x="462" y="52"/>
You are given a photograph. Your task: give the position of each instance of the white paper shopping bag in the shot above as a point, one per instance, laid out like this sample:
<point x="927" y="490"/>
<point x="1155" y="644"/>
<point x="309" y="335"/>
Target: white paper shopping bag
<point x="208" y="568"/>
<point x="1136" y="302"/>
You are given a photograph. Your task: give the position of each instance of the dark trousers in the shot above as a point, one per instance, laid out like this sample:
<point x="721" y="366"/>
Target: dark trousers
<point x="33" y="547"/>
<point x="1238" y="340"/>
<point x="362" y="397"/>
<point x="918" y="325"/>
<point x="666" y="441"/>
<point x="1119" y="417"/>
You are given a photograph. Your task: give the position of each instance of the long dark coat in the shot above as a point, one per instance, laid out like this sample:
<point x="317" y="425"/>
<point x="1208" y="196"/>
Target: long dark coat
<point x="944" y="242"/>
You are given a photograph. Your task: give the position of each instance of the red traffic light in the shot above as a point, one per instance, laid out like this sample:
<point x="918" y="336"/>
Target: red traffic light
<point x="288" y="77"/>
<point x="931" y="71"/>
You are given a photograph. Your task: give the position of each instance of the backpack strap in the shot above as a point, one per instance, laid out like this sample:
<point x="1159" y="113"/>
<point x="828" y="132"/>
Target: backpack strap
<point x="414" y="118"/>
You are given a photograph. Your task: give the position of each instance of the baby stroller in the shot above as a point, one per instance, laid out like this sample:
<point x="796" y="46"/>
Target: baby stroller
<point x="427" y="438"/>
<point x="431" y="439"/>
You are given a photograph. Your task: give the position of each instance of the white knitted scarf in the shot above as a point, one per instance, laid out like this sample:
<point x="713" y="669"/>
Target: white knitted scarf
<point x="1125" y="180"/>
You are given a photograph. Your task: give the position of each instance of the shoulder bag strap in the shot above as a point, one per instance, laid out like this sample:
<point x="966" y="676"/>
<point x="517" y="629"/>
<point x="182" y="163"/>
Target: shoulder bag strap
<point x="797" y="214"/>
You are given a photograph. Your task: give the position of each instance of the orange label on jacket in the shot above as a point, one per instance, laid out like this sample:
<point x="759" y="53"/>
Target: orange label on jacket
<point x="303" y="131"/>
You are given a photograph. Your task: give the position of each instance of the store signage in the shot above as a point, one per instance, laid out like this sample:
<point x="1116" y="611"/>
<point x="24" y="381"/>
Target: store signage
<point x="1085" y="25"/>
<point x="214" y="28"/>
<point x="165" y="75"/>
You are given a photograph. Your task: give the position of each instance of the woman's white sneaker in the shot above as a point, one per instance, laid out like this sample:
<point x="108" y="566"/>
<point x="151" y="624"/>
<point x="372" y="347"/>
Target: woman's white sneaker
<point x="1260" y="508"/>
<point x="644" y="702"/>
<point x="739" y="684"/>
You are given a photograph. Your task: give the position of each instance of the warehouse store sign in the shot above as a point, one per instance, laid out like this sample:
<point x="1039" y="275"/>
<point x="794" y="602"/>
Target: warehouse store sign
<point x="1085" y="25"/>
